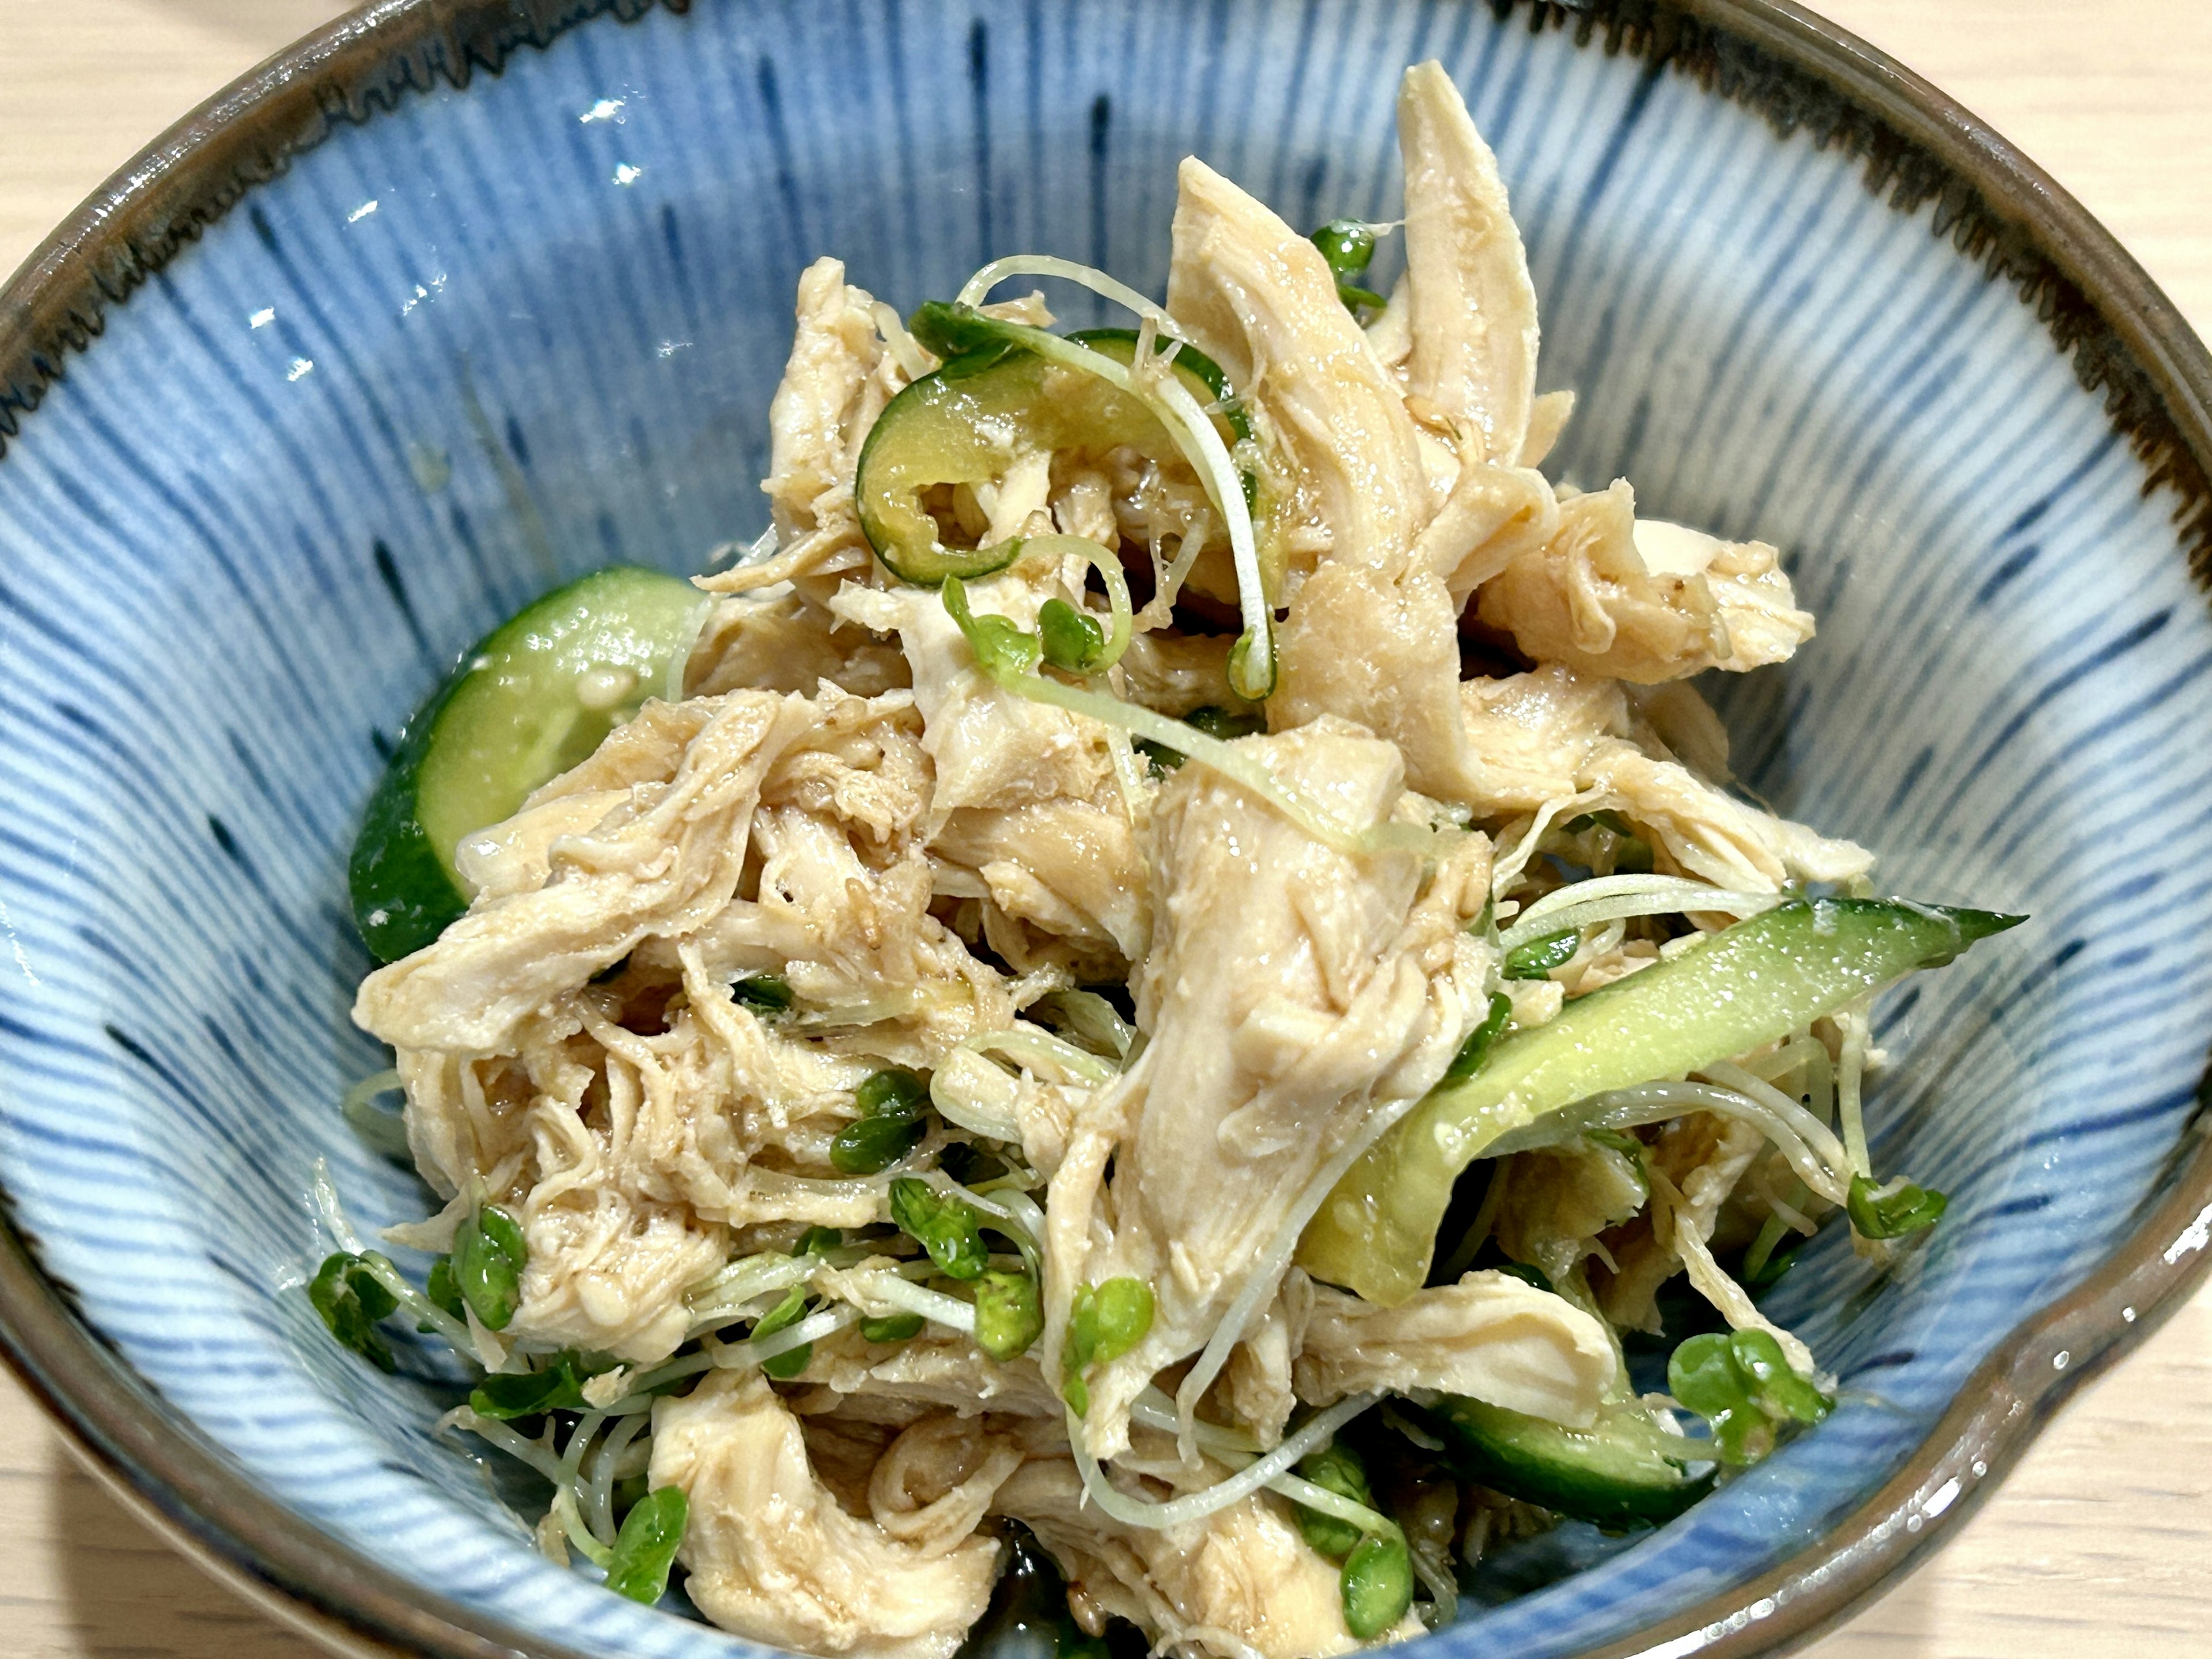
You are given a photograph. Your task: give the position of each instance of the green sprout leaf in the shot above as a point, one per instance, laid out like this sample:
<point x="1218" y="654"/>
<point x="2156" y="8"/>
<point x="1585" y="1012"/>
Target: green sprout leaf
<point x="1009" y="1315"/>
<point x="1104" y="1321"/>
<point x="892" y="1328"/>
<point x="1003" y="649"/>
<point x="1348" y="245"/>
<point x="350" y="1301"/>
<point x="818" y="1241"/>
<point x="1377" y="1586"/>
<point x="945" y="1226"/>
<point x="889" y="1126"/>
<point x="892" y="1089"/>
<point x="1535" y="959"/>
<point x="1335" y="1467"/>
<point x="444" y="1294"/>
<point x="788" y="1312"/>
<point x="558" y="1385"/>
<point x="1072" y="641"/>
<point x="1476" y="1048"/>
<point x="870" y="1146"/>
<point x="1741" y="1383"/>
<point x="764" y="993"/>
<point x="1910" y="1209"/>
<point x="489" y="1257"/>
<point x="645" y="1547"/>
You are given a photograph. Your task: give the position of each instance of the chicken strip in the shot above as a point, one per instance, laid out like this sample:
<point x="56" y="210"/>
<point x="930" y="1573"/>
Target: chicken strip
<point x="1292" y="992"/>
<point x="1471" y="307"/>
<point x="772" y="1557"/>
<point x="1490" y="1336"/>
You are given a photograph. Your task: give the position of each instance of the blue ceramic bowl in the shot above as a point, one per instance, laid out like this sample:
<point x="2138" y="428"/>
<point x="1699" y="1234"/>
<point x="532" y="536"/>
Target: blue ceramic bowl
<point x="456" y="300"/>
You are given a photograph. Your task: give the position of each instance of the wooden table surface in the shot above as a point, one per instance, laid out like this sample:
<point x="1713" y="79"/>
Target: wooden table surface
<point x="2099" y="1544"/>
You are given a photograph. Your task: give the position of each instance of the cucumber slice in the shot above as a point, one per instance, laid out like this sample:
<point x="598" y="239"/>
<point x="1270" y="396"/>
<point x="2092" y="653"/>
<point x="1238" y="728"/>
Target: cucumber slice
<point x="533" y="699"/>
<point x="995" y="402"/>
<point x="1623" y="1472"/>
<point x="1755" y="982"/>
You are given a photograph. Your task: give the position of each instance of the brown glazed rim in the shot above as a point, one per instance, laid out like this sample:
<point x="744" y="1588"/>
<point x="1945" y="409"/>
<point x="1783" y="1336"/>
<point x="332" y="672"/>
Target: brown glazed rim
<point x="1798" y="71"/>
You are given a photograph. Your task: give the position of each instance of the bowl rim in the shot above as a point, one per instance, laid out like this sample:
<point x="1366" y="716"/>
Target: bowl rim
<point x="1774" y="55"/>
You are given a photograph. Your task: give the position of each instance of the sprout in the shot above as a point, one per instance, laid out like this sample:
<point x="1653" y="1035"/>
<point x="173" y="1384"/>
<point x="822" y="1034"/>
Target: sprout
<point x="1539" y="956"/>
<point x="559" y="1386"/>
<point x="789" y="1361"/>
<point x="489" y="1257"/>
<point x="889" y="1126"/>
<point x="1336" y="1467"/>
<point x="350" y="1300"/>
<point x="1376" y="1585"/>
<point x="1895" y="1211"/>
<point x="1741" y="1384"/>
<point x="1008" y="1314"/>
<point x="947" y="1227"/>
<point x="1476" y="1048"/>
<point x="646" y="1547"/>
<point x="893" y="1327"/>
<point x="1104" y="1322"/>
<point x="764" y="993"/>
<point x="1072" y="641"/>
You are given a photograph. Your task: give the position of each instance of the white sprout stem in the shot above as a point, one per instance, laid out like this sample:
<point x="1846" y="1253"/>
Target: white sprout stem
<point x="736" y="1356"/>
<point x="382" y="1130"/>
<point x="1153" y="383"/>
<point x="1196" y="1506"/>
<point x="534" y="1453"/>
<point x="1653" y="1102"/>
<point x="579" y="1535"/>
<point x="453" y="1330"/>
<point x="905" y="349"/>
<point x="958" y="1090"/>
<point x="1109" y="572"/>
<point x="933" y="1305"/>
<point x="1014" y="1213"/>
<point x="1233" y="1446"/>
<point x="1031" y="1046"/>
<point x="600" y="1494"/>
<point x="1267" y="1274"/>
<point x="1811" y="1054"/>
<point x="1612" y="898"/>
<point x="325" y="1192"/>
<point x="1128" y="777"/>
<point x="1850" y="1069"/>
<point x="1044" y="264"/>
<point x="464" y="1336"/>
<point x="726" y="1294"/>
<point x="1094" y="1018"/>
<point x="1223" y="481"/>
<point x="1243" y="770"/>
<point x="1815" y="1134"/>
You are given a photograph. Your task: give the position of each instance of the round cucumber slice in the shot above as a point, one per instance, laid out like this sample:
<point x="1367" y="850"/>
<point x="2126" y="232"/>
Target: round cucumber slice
<point x="532" y="699"/>
<point x="993" y="403"/>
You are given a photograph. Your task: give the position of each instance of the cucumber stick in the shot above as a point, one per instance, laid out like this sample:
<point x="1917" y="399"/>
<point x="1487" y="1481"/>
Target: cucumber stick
<point x="1753" y="983"/>
<point x="533" y="699"/>
<point x="1623" y="1471"/>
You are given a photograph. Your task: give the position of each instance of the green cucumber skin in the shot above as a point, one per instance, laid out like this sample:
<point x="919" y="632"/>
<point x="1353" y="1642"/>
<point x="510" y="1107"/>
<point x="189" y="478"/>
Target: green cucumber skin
<point x="1614" y="1477"/>
<point x="402" y="892"/>
<point x="1754" y="982"/>
<point x="402" y="896"/>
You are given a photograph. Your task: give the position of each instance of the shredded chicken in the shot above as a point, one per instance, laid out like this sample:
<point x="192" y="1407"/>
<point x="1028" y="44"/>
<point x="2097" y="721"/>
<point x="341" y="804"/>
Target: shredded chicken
<point x="1039" y="1003"/>
<point x="772" y="1555"/>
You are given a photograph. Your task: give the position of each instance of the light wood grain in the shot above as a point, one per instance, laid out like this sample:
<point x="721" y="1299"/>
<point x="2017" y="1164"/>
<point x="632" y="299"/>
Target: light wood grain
<point x="2099" y="1545"/>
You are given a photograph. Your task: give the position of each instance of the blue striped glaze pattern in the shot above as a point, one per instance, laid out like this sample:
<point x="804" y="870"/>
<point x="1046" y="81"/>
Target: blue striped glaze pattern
<point x="496" y="336"/>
